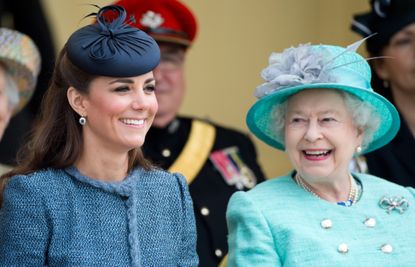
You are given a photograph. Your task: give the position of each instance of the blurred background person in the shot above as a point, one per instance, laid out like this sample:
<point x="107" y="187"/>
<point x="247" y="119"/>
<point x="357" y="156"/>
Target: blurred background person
<point x="393" y="21"/>
<point x="82" y="193"/>
<point x="216" y="161"/>
<point x="19" y="68"/>
<point x="316" y="103"/>
<point x="28" y="17"/>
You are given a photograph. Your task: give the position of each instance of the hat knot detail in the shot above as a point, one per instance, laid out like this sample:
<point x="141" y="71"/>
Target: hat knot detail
<point x="115" y="36"/>
<point x="125" y="50"/>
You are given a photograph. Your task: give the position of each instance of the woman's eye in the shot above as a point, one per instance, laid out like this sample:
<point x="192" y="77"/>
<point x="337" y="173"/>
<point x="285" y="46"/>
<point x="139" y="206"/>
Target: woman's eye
<point x="122" y="89"/>
<point x="328" y="119"/>
<point x="297" y="120"/>
<point x="150" y="88"/>
<point x="403" y="41"/>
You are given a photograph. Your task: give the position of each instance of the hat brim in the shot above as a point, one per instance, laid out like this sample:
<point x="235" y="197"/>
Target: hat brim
<point x="260" y="119"/>
<point x="24" y="79"/>
<point x="170" y="39"/>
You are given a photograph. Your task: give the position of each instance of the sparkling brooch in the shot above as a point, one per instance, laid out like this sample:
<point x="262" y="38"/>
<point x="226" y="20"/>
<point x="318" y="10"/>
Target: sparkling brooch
<point x="394" y="203"/>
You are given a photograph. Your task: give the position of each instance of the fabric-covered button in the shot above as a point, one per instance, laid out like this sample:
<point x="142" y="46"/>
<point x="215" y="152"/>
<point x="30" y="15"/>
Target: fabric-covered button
<point x="343" y="248"/>
<point x="204" y="211"/>
<point x="218" y="253"/>
<point x="370" y="222"/>
<point x="326" y="224"/>
<point x="386" y="248"/>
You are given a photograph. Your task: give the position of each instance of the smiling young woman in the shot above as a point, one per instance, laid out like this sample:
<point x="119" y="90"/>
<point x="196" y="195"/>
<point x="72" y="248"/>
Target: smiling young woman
<point x="91" y="196"/>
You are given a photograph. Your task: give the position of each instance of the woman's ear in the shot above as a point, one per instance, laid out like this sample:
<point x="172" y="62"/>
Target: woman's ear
<point x="381" y="69"/>
<point x="77" y="101"/>
<point x="360" y="134"/>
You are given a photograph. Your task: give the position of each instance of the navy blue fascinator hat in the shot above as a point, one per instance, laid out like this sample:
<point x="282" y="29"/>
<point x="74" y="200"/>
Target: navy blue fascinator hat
<point x="111" y="47"/>
<point x="386" y="18"/>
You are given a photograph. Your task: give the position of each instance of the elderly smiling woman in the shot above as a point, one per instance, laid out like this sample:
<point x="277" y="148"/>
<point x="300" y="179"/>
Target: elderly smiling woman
<point x="318" y="106"/>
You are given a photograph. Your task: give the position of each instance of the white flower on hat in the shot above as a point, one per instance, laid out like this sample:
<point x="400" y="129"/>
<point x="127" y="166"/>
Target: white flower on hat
<point x="302" y="65"/>
<point x="294" y="66"/>
<point x="151" y="19"/>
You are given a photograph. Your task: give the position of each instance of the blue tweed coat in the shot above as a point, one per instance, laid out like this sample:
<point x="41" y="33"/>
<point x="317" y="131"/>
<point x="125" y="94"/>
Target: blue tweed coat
<point x="277" y="223"/>
<point x="62" y="218"/>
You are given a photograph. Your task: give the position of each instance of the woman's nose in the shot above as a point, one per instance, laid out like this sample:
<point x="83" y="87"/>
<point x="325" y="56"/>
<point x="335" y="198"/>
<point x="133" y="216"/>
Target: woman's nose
<point x="139" y="101"/>
<point x="313" y="132"/>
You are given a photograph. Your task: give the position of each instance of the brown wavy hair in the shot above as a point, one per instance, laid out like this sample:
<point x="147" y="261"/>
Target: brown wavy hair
<point x="56" y="139"/>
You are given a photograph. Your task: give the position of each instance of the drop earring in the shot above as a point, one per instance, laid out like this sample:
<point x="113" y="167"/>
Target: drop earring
<point x="385" y="83"/>
<point x="82" y="120"/>
<point x="358" y="149"/>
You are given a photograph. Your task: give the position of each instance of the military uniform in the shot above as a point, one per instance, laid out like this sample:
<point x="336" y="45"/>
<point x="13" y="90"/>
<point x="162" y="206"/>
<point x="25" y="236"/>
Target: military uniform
<point x="228" y="165"/>
<point x="216" y="161"/>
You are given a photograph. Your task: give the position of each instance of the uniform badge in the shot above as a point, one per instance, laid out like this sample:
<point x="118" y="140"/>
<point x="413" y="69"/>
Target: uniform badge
<point x="151" y="19"/>
<point x="232" y="168"/>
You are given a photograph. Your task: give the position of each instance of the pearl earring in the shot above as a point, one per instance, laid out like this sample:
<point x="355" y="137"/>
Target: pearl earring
<point x="82" y="120"/>
<point x="358" y="149"/>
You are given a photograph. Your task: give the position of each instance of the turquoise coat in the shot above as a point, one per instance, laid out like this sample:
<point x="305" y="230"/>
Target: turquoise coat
<point x="280" y="224"/>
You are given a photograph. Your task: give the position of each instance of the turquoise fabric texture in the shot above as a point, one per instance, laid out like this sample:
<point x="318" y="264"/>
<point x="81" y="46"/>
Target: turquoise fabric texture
<point x="62" y="218"/>
<point x="278" y="223"/>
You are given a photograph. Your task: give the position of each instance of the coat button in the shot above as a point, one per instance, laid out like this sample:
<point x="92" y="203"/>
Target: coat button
<point x="166" y="153"/>
<point x="204" y="211"/>
<point x="218" y="253"/>
<point x="343" y="248"/>
<point x="370" y="222"/>
<point x="326" y="224"/>
<point x="386" y="248"/>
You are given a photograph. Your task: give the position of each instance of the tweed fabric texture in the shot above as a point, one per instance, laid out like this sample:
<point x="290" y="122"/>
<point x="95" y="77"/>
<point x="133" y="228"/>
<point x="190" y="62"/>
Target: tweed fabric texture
<point x="62" y="218"/>
<point x="279" y="224"/>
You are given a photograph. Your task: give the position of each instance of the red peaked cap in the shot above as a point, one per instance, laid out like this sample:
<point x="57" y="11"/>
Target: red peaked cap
<point x="164" y="20"/>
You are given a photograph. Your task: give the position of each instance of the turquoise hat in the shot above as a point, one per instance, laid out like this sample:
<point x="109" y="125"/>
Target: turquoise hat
<point x="318" y="66"/>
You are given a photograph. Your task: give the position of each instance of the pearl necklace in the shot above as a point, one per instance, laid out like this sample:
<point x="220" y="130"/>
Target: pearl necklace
<point x="351" y="199"/>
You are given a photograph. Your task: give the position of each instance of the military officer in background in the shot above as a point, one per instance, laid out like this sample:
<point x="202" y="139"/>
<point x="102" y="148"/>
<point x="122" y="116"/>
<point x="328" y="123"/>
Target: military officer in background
<point x="216" y="161"/>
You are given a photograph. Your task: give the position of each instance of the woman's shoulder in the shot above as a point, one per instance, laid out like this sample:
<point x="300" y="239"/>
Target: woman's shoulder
<point x="378" y="184"/>
<point x="37" y="179"/>
<point x="273" y="190"/>
<point x="41" y="184"/>
<point x="372" y="180"/>
<point x="273" y="185"/>
<point x="162" y="178"/>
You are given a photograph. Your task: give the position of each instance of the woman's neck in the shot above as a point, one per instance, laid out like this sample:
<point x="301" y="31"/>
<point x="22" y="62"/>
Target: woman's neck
<point x="102" y="164"/>
<point x="332" y="191"/>
<point x="406" y="104"/>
